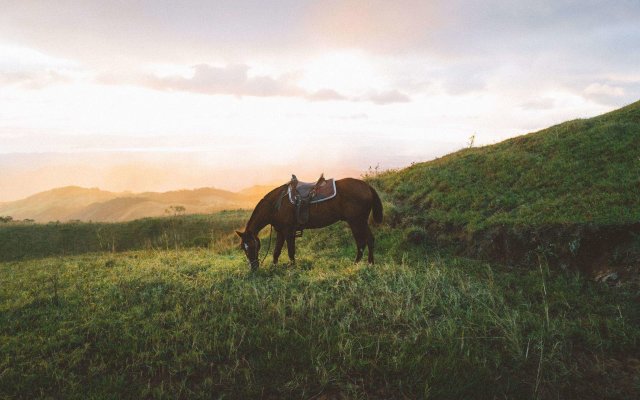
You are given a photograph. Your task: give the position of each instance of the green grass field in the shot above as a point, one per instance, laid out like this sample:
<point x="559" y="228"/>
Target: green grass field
<point x="167" y="308"/>
<point x="196" y="324"/>
<point x="19" y="241"/>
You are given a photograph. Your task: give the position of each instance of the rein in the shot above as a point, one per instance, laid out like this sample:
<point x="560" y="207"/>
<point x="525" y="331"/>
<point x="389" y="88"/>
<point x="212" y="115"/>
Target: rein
<point x="269" y="247"/>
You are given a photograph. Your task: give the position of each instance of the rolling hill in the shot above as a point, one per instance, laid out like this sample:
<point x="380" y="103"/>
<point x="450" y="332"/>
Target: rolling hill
<point x="570" y="192"/>
<point x="76" y="203"/>
<point x="183" y="316"/>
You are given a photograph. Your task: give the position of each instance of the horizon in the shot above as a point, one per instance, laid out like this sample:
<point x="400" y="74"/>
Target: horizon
<point x="160" y="96"/>
<point x="128" y="192"/>
<point x="306" y="177"/>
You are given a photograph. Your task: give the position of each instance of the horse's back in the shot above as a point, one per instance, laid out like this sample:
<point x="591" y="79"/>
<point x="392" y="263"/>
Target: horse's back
<point x="355" y="189"/>
<point x="353" y="201"/>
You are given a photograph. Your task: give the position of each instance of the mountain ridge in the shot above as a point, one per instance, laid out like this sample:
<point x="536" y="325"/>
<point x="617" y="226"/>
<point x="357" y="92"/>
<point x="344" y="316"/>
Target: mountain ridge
<point x="69" y="203"/>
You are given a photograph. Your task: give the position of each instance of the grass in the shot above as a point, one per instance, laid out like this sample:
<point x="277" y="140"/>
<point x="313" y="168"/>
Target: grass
<point x="184" y="318"/>
<point x="569" y="191"/>
<point x="577" y="172"/>
<point x="195" y="323"/>
<point x="28" y="240"/>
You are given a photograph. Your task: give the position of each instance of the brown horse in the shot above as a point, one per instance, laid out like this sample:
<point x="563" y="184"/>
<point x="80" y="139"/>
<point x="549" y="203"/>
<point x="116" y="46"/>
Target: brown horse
<point x="353" y="202"/>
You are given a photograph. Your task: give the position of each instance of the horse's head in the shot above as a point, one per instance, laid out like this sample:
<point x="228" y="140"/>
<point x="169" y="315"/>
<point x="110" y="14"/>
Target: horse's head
<point x="250" y="244"/>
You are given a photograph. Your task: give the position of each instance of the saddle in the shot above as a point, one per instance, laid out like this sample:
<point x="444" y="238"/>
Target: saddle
<point x="303" y="194"/>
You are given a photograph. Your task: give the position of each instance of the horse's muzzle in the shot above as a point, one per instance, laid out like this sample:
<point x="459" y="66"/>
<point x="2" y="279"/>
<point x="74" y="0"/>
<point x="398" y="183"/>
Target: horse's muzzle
<point x="254" y="264"/>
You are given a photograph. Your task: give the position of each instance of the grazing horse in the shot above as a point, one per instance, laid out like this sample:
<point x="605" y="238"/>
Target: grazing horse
<point x="352" y="201"/>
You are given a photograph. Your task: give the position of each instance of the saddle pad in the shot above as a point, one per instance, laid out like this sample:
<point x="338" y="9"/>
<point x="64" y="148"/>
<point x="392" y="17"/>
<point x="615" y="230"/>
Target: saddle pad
<point x="327" y="190"/>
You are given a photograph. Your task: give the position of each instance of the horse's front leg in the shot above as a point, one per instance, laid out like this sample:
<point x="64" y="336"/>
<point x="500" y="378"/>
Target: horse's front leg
<point x="291" y="246"/>
<point x="278" y="249"/>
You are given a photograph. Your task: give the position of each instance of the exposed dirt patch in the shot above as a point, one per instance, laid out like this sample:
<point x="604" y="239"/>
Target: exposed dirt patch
<point x="596" y="250"/>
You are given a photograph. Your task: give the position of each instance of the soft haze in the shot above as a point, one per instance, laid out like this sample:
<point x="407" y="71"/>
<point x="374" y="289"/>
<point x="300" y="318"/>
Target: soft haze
<point x="158" y="95"/>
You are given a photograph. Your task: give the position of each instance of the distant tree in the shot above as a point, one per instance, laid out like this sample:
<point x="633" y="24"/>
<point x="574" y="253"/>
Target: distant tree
<point x="6" y="219"/>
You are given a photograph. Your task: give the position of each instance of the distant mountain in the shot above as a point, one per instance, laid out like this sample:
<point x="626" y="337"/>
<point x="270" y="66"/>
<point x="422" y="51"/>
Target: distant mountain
<point x="77" y="203"/>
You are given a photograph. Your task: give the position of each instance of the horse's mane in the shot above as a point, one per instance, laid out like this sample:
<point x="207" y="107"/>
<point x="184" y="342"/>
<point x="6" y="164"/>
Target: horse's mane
<point x="268" y="201"/>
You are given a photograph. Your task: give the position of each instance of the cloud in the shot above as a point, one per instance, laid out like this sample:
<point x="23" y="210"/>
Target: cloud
<point x="325" y="94"/>
<point x="30" y="69"/>
<point x="604" y="93"/>
<point x="235" y="80"/>
<point x="555" y="44"/>
<point x="544" y="103"/>
<point x="376" y="25"/>
<point x="169" y="31"/>
<point x="230" y="80"/>
<point x="32" y="79"/>
<point x="388" y="97"/>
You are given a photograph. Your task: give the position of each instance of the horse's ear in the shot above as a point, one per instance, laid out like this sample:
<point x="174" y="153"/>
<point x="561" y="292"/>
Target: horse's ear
<point x="239" y="233"/>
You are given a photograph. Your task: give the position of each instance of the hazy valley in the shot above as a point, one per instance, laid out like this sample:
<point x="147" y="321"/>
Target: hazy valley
<point x="83" y="204"/>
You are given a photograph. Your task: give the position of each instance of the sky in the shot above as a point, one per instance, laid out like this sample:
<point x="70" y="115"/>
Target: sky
<point x="161" y="95"/>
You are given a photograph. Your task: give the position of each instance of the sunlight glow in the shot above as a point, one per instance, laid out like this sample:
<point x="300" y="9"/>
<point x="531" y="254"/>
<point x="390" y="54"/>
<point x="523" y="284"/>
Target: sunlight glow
<point x="350" y="71"/>
<point x="205" y="88"/>
<point x="14" y="58"/>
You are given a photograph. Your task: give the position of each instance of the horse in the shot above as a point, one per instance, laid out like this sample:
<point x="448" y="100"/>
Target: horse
<point x="354" y="200"/>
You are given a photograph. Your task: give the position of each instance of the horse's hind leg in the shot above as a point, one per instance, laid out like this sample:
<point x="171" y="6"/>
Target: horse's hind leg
<point x="359" y="231"/>
<point x="370" y="243"/>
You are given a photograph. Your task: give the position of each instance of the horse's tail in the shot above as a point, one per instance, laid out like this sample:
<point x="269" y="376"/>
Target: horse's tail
<point x="377" y="206"/>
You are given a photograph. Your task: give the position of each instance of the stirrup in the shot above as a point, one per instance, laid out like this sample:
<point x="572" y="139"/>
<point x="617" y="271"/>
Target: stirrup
<point x="298" y="233"/>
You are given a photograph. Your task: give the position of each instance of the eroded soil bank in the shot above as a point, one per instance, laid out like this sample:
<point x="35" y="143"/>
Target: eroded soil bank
<point x="595" y="250"/>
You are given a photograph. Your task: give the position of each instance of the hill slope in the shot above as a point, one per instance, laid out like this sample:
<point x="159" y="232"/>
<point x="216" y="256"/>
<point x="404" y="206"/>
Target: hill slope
<point x="579" y="175"/>
<point x="56" y="204"/>
<point x="76" y="203"/>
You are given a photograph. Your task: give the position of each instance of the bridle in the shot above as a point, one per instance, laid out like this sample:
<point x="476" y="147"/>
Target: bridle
<point x="252" y="263"/>
<point x="256" y="263"/>
<point x="268" y="247"/>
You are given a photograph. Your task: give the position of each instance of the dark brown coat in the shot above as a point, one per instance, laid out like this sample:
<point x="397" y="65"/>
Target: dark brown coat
<point x="354" y="201"/>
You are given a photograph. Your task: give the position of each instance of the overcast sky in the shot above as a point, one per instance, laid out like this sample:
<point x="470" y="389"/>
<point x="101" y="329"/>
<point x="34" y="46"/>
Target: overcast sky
<point x="155" y="95"/>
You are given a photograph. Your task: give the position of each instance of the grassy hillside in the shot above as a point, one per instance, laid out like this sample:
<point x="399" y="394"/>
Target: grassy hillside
<point x="76" y="203"/>
<point x="197" y="324"/>
<point x="580" y="174"/>
<point x="55" y="204"/>
<point x="170" y="322"/>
